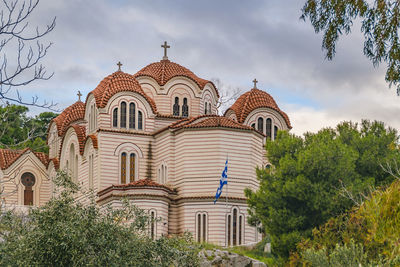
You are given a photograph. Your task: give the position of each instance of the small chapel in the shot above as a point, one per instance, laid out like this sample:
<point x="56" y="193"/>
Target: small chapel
<point x="155" y="137"/>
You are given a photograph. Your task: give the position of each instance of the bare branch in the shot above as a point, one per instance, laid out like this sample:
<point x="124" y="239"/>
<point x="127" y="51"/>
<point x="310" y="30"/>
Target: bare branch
<point x="21" y="43"/>
<point x="228" y="95"/>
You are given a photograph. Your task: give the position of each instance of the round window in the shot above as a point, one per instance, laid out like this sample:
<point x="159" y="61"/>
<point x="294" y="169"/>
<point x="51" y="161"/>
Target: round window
<point x="28" y="179"/>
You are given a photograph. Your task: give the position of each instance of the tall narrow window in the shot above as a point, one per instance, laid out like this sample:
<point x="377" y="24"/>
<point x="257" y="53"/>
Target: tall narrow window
<point x="71" y="170"/>
<point x="268" y="124"/>
<point x="165" y="174"/>
<point x="152" y="230"/>
<point x="260" y="125"/>
<point x="199" y="228"/>
<point x="275" y="132"/>
<point x="123" y="168"/>
<point x="253" y="125"/>
<point x="115" y="117"/>
<point x="162" y="174"/>
<point x="185" y="108"/>
<point x="140" y="120"/>
<point x="76" y="168"/>
<point x="123" y="115"/>
<point x="205" y="108"/>
<point x="229" y="230"/>
<point x="132" y="111"/>
<point x="90" y="171"/>
<point x="204" y="228"/>
<point x="240" y="230"/>
<point x="176" y="108"/>
<point x="234" y="227"/>
<point x="132" y="168"/>
<point x="28" y="180"/>
<point x="209" y="108"/>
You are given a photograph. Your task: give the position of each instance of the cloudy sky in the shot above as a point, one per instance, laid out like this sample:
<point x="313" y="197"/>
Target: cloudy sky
<point x="233" y="41"/>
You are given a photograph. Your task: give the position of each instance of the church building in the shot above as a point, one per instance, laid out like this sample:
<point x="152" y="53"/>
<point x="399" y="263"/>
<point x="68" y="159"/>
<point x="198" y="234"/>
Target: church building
<point x="156" y="138"/>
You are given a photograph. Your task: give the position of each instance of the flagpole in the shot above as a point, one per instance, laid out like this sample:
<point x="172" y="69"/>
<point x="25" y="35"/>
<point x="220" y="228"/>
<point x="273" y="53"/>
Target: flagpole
<point x="226" y="201"/>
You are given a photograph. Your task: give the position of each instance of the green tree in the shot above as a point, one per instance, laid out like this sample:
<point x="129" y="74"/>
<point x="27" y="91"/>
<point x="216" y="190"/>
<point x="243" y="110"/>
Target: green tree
<point x="317" y="177"/>
<point x="380" y="21"/>
<point x="18" y="131"/>
<point x="67" y="232"/>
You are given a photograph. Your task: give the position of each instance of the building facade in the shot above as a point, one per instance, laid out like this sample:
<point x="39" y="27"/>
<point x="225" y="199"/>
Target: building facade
<point x="155" y="138"/>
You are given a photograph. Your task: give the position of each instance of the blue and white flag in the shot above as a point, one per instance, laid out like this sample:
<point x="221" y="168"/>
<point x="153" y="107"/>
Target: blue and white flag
<point x="223" y="181"/>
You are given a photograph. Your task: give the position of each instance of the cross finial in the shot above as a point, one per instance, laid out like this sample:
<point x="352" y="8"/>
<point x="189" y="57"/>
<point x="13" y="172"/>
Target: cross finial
<point x="165" y="46"/>
<point x="119" y="64"/>
<point x="79" y="95"/>
<point x="255" y="83"/>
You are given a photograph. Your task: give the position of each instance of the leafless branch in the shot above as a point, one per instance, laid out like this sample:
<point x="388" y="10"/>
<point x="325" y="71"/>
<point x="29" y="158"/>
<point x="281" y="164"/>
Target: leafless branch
<point x="357" y="199"/>
<point x="23" y="44"/>
<point x="228" y="95"/>
<point x="391" y="168"/>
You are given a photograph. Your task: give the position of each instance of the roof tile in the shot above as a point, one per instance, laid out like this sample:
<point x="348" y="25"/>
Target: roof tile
<point x="118" y="82"/>
<point x="253" y="99"/>
<point x="71" y="114"/>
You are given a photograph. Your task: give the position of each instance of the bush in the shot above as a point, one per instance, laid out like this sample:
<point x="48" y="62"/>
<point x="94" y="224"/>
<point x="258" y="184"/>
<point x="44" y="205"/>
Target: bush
<point x="66" y="232"/>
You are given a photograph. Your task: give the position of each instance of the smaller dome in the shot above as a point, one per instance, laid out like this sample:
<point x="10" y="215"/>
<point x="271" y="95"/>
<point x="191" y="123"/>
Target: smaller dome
<point x="253" y="99"/>
<point x="165" y="70"/>
<point x="71" y="114"/>
<point x="118" y="82"/>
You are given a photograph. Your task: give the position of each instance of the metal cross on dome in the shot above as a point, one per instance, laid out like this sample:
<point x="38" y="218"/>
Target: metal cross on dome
<point x="79" y="95"/>
<point x="255" y="83"/>
<point x="119" y="64"/>
<point x="165" y="46"/>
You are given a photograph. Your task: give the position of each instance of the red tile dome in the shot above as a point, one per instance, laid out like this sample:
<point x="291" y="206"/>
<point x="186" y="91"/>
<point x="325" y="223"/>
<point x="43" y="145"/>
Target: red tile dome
<point x="118" y="82"/>
<point x="165" y="70"/>
<point x="253" y="99"/>
<point x="71" y="114"/>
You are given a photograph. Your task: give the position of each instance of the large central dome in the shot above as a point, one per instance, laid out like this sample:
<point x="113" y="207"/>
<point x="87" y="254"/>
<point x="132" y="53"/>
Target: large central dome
<point x="165" y="70"/>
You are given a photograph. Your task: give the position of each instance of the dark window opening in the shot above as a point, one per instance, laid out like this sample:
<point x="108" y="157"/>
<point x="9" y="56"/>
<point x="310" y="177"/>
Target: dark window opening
<point x="132" y="110"/>
<point x="123" y="115"/>
<point x="175" y="108"/>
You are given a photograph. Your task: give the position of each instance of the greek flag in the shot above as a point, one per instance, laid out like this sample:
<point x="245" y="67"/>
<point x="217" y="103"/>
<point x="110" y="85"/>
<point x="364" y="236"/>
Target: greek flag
<point x="223" y="181"/>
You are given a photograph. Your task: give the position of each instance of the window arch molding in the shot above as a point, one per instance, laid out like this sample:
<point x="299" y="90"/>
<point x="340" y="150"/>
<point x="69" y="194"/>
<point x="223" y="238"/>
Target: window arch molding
<point x="128" y="149"/>
<point x="162" y="173"/>
<point x="35" y="187"/>
<point x="128" y="97"/>
<point x="201" y="226"/>
<point x="124" y="106"/>
<point x="265" y="113"/>
<point x="235" y="222"/>
<point x="152" y="223"/>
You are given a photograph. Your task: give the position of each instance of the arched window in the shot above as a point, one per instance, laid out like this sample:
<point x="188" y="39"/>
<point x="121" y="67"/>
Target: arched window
<point x="201" y="223"/>
<point x="268" y="124"/>
<point x="71" y="170"/>
<point x="229" y="230"/>
<point x="185" y="108"/>
<point x="260" y="125"/>
<point x="91" y="171"/>
<point x="28" y="180"/>
<point x="234" y="227"/>
<point x="132" y="115"/>
<point x="209" y="108"/>
<point x="253" y="125"/>
<point x="123" y="115"/>
<point x="176" y="108"/>
<point x="152" y="225"/>
<point x="140" y="120"/>
<point x="76" y="168"/>
<point x="132" y="165"/>
<point x="199" y="227"/>
<point x="115" y="117"/>
<point x="123" y="168"/>
<point x="205" y="108"/>
<point x="165" y="174"/>
<point x="240" y="229"/>
<point x="275" y="131"/>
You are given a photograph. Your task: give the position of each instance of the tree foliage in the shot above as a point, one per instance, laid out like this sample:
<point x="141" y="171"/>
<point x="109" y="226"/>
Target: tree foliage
<point x="67" y="232"/>
<point x="18" y="130"/>
<point x="317" y="177"/>
<point x="380" y="21"/>
<point x="374" y="226"/>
